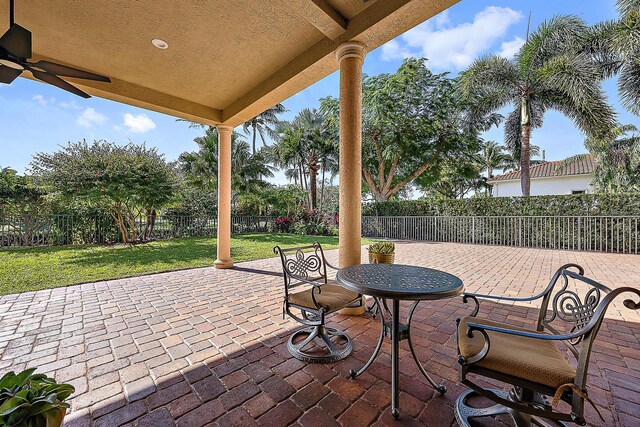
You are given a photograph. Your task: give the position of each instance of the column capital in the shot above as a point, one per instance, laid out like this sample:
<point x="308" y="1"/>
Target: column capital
<point x="224" y="128"/>
<point x="351" y="49"/>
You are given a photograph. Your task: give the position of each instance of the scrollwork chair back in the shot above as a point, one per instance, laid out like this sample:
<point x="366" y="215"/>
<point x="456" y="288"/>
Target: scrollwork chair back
<point x="572" y="310"/>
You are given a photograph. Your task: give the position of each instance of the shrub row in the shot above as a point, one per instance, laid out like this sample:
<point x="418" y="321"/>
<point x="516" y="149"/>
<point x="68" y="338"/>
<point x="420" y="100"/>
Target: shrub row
<point x="570" y="205"/>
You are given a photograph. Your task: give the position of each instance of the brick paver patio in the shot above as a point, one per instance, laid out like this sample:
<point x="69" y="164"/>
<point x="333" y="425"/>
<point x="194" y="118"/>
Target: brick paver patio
<point x="206" y="347"/>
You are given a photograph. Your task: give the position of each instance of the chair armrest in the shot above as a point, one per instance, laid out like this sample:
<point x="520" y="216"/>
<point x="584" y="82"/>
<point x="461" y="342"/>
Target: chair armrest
<point x="330" y="266"/>
<point x="317" y="289"/>
<point x="561" y="337"/>
<point x="554" y="278"/>
<point x="474" y="297"/>
<point x="482" y="329"/>
<point x="595" y="321"/>
<point x="496" y="297"/>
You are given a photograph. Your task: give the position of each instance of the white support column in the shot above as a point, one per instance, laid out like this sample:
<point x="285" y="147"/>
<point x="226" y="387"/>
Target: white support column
<point x="350" y="57"/>
<point x="224" y="198"/>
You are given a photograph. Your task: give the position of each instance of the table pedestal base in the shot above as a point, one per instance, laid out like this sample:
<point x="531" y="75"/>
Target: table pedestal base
<point x="396" y="332"/>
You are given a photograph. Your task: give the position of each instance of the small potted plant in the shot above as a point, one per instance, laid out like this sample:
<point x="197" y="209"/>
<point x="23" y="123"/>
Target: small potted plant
<point x="32" y="400"/>
<point x="382" y="252"/>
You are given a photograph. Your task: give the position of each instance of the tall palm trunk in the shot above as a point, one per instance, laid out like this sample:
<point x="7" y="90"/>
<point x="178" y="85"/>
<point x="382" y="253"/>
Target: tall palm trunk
<point x="324" y="168"/>
<point x="313" y="174"/>
<point x="255" y="128"/>
<point x="489" y="173"/>
<point x="525" y="151"/>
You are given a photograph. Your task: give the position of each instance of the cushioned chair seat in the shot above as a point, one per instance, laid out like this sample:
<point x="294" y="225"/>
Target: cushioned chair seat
<point x="531" y="359"/>
<point x="332" y="297"/>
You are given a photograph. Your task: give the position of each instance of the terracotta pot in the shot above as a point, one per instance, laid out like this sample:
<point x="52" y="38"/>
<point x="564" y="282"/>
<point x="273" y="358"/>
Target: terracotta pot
<point x="354" y="311"/>
<point x="381" y="258"/>
<point x="56" y="419"/>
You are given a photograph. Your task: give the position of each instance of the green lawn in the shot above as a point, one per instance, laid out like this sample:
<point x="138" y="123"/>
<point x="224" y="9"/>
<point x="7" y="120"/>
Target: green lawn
<point x="31" y="269"/>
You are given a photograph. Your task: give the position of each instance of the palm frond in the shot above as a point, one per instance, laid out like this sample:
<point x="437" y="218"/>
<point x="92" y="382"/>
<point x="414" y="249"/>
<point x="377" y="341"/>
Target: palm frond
<point x="561" y="34"/>
<point x="629" y="86"/>
<point x="490" y="74"/>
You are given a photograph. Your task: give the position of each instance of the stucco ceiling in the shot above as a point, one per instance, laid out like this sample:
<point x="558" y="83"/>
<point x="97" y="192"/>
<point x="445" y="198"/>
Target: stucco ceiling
<point x="227" y="60"/>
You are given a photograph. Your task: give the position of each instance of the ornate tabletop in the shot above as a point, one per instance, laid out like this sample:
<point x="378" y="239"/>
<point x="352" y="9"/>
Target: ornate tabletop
<point x="396" y="281"/>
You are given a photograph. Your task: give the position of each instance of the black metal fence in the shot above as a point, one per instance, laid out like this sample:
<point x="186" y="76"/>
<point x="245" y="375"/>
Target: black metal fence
<point x="619" y="234"/>
<point x="70" y="229"/>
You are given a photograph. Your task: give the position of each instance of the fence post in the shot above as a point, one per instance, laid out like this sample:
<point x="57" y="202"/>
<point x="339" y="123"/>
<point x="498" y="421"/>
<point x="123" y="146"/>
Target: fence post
<point x="520" y="231"/>
<point x="473" y="230"/>
<point x="579" y="233"/>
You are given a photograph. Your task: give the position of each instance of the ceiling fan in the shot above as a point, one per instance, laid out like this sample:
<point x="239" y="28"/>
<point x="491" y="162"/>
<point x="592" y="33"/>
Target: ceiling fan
<point x="15" y="50"/>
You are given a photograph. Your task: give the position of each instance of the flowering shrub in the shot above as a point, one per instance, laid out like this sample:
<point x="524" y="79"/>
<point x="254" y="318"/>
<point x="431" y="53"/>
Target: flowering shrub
<point x="282" y="224"/>
<point x="307" y="222"/>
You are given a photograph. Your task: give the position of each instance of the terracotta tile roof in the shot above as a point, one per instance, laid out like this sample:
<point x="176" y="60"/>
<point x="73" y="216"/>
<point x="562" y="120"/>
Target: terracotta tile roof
<point x="582" y="165"/>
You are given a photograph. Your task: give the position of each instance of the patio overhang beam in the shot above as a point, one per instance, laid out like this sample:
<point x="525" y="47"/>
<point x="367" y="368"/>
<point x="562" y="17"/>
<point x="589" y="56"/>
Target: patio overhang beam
<point x="373" y="27"/>
<point x="144" y="97"/>
<point x="321" y="15"/>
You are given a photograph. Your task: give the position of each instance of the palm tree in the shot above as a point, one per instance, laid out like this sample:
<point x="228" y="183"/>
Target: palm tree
<point x="315" y="145"/>
<point x="493" y="157"/>
<point x="286" y="153"/>
<point x="264" y="124"/>
<point x="512" y="163"/>
<point x="201" y="167"/>
<point x="305" y="148"/>
<point x="617" y="46"/>
<point x="552" y="70"/>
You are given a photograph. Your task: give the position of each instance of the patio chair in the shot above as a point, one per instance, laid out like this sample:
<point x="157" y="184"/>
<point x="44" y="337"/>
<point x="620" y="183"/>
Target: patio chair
<point x="529" y="360"/>
<point x="307" y="288"/>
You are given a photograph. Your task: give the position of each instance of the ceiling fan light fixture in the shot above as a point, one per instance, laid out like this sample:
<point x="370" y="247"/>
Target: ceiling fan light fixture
<point x="160" y="44"/>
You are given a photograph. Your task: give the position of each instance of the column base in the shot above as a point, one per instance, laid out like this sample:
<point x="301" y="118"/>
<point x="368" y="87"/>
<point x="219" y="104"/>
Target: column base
<point x="223" y="264"/>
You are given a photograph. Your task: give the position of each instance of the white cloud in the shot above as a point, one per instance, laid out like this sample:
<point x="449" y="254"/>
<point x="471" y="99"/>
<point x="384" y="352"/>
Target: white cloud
<point x="449" y="46"/>
<point x="510" y="48"/>
<point x="90" y="117"/>
<point x="139" y="123"/>
<point x="73" y="105"/>
<point x="394" y="50"/>
<point x="42" y="100"/>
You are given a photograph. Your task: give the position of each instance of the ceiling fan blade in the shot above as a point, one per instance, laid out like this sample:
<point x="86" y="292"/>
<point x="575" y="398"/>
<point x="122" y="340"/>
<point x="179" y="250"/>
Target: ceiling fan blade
<point x="17" y="41"/>
<point x="58" y="82"/>
<point x="8" y="74"/>
<point x="63" y="70"/>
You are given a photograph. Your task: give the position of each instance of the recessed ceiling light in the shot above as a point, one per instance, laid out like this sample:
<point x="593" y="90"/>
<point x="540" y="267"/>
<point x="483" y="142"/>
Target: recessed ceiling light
<point x="160" y="44"/>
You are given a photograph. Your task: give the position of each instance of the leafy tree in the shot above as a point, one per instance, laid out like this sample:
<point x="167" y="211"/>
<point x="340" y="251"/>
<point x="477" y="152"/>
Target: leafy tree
<point x="553" y="70"/>
<point x="412" y="120"/>
<point x="617" y="160"/>
<point x="457" y="178"/>
<point x="25" y="202"/>
<point x="193" y="201"/>
<point x="264" y="124"/>
<point x="129" y="180"/>
<point x="7" y="177"/>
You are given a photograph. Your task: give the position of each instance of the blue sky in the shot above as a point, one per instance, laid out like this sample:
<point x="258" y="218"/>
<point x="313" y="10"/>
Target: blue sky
<point x="35" y="117"/>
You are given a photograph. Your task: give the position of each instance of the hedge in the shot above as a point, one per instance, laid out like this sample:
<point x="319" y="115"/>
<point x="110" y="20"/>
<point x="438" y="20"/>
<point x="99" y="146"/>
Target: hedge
<point x="561" y="205"/>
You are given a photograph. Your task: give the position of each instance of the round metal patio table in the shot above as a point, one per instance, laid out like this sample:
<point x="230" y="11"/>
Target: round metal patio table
<point x="398" y="282"/>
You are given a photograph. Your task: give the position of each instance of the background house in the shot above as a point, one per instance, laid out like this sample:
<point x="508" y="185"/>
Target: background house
<point x="549" y="178"/>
